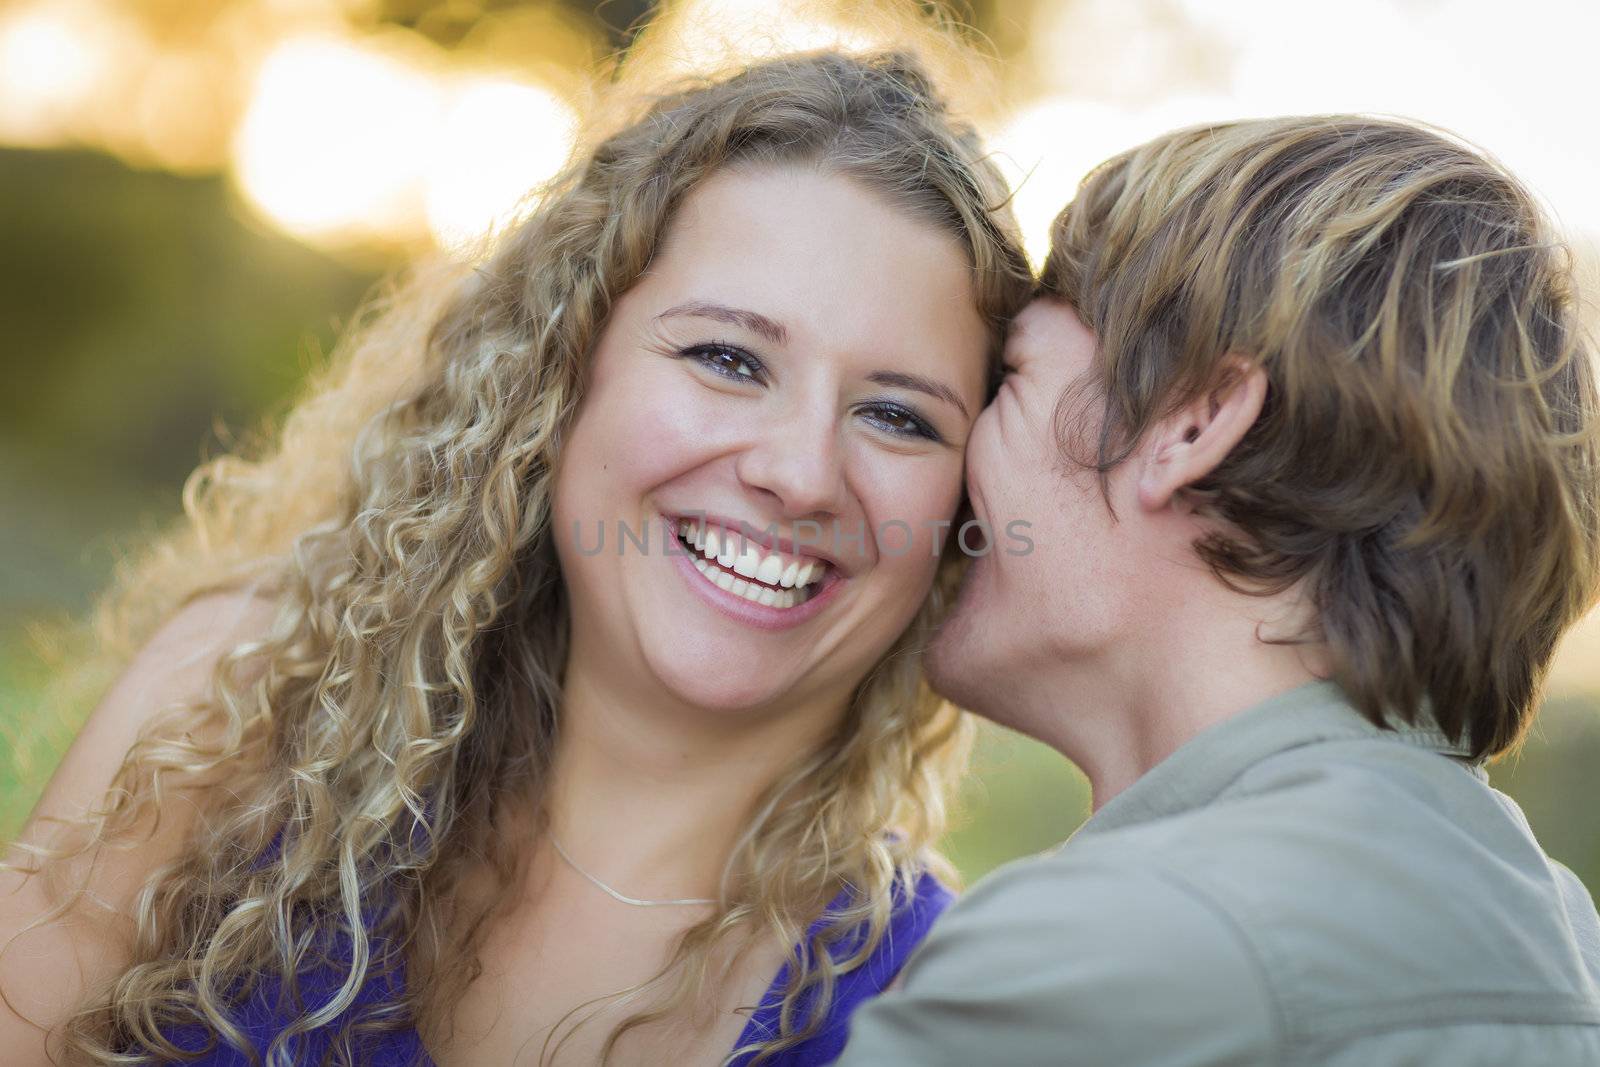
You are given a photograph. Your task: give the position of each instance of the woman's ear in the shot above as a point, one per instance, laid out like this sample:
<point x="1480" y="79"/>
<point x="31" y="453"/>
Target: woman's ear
<point x="1191" y="442"/>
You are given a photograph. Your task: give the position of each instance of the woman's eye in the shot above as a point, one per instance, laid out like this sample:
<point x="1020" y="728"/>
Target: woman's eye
<point x="728" y="361"/>
<point x="900" y="421"/>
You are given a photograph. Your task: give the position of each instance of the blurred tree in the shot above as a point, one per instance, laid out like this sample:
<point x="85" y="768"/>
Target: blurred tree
<point x="447" y="22"/>
<point x="140" y="310"/>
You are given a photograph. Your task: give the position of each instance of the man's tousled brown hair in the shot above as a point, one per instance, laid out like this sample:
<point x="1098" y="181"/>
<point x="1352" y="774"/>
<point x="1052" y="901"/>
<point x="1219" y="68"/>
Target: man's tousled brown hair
<point x="1425" y="462"/>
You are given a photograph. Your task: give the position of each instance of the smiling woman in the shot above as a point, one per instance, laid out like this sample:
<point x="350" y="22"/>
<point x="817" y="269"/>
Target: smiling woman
<point x="849" y="287"/>
<point x="437" y="782"/>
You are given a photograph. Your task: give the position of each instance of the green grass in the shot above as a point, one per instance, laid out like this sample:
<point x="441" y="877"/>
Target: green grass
<point x="1021" y="798"/>
<point x="26" y="757"/>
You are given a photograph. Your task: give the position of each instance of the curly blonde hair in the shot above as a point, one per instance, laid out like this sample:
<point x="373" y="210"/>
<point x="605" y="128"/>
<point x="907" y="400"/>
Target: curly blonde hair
<point x="410" y="684"/>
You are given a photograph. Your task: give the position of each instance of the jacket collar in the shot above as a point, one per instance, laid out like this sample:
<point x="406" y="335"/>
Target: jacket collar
<point x="1199" y="771"/>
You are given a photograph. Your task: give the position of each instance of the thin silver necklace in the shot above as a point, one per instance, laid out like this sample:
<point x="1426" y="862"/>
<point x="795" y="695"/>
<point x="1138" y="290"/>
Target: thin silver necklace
<point x="635" y="901"/>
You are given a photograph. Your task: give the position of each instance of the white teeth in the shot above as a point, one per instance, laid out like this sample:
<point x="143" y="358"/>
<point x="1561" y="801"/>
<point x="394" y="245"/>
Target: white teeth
<point x="758" y="570"/>
<point x="770" y="570"/>
<point x="749" y="561"/>
<point x="691" y="533"/>
<point x="753" y="591"/>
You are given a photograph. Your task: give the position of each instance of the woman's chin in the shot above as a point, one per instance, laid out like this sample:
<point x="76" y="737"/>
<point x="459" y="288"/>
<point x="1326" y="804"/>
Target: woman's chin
<point x="720" y="684"/>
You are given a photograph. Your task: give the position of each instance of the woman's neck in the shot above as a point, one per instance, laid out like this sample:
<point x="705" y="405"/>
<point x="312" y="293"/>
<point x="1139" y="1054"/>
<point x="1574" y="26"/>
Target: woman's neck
<point x="651" y="797"/>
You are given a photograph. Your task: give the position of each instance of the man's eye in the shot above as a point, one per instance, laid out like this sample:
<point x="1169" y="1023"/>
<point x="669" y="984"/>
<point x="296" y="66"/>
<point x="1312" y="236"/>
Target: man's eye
<point x="728" y="361"/>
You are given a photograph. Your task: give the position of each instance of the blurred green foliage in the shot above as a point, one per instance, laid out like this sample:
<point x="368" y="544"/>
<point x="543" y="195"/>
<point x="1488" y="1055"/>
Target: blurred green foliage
<point x="143" y="317"/>
<point x="140" y="309"/>
<point x="1023" y="798"/>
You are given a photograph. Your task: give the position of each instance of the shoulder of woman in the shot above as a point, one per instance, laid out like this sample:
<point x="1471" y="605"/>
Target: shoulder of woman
<point x="50" y="957"/>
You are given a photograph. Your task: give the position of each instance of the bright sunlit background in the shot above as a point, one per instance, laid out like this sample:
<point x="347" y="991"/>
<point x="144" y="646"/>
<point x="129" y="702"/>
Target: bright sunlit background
<point x="195" y="193"/>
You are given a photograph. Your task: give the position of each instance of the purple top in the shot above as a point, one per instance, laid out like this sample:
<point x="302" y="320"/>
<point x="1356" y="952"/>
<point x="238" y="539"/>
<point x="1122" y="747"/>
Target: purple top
<point x="262" y="1017"/>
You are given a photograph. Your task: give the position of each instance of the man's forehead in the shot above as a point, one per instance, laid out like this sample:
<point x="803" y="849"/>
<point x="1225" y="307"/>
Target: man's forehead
<point x="1047" y="321"/>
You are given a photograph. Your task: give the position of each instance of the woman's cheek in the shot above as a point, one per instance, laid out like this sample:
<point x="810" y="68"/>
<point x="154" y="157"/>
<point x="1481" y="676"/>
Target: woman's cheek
<point x="926" y="505"/>
<point x="661" y="425"/>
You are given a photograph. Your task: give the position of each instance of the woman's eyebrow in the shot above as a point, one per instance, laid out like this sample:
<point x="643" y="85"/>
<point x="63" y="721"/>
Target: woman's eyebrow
<point x="753" y="321"/>
<point x="773" y="331"/>
<point x="921" y="385"/>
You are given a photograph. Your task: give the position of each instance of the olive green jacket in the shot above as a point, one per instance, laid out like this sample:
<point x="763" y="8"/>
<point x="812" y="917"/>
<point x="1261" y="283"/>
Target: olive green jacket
<point x="1293" y="886"/>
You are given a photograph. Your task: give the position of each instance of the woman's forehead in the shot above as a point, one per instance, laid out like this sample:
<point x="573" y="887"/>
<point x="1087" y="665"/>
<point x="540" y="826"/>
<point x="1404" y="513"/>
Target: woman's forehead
<point x="823" y="256"/>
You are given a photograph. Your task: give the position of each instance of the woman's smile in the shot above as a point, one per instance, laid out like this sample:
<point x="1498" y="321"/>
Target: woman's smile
<point x="745" y="568"/>
<point x="800" y="359"/>
<point x="757" y="583"/>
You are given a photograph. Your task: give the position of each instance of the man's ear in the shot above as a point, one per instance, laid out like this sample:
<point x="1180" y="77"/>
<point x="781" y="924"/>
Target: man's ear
<point x="1191" y="442"/>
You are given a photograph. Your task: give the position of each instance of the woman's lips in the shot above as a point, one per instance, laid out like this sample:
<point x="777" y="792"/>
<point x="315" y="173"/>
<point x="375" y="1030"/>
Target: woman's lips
<point x="734" y="594"/>
<point x="761" y="575"/>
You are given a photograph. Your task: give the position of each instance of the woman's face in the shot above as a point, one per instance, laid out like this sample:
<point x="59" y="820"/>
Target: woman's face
<point x="789" y="387"/>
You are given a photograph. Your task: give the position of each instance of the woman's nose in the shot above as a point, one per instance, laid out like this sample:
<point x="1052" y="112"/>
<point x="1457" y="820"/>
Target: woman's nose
<point x="797" y="458"/>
